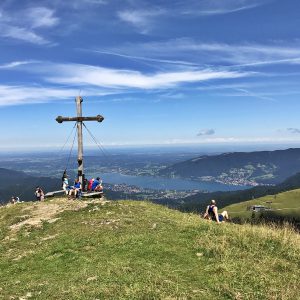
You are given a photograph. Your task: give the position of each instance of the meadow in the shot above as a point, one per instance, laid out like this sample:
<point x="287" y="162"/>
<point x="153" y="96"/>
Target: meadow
<point x="284" y="205"/>
<point x="99" y="249"/>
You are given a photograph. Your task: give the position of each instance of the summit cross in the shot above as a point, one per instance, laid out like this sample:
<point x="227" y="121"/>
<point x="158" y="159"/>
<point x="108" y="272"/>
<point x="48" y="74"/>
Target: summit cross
<point x="79" y="120"/>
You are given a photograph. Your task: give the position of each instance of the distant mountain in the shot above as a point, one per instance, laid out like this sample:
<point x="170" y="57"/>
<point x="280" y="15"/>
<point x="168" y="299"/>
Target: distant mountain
<point x="17" y="183"/>
<point x="244" y="168"/>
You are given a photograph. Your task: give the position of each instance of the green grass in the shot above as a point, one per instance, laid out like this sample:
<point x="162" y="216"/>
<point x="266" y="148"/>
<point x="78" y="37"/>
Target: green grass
<point x="286" y="204"/>
<point x="139" y="250"/>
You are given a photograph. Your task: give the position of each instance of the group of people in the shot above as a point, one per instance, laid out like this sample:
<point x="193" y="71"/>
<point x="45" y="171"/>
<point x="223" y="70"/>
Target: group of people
<point x="93" y="185"/>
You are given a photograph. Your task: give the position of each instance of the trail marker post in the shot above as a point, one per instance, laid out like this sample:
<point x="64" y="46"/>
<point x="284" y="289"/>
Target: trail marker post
<point x="79" y="119"/>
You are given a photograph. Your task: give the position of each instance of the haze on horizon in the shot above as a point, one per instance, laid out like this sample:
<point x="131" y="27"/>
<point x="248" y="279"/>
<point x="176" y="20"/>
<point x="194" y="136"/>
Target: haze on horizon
<point x="204" y="73"/>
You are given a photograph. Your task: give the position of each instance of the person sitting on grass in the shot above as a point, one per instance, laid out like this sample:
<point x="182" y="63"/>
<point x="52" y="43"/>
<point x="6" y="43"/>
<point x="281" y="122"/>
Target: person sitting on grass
<point x="211" y="213"/>
<point x="39" y="194"/>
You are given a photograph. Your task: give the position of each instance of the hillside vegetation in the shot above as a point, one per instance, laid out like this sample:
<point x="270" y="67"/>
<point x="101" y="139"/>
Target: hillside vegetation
<point x="283" y="205"/>
<point x="243" y="168"/>
<point x="18" y="183"/>
<point x="63" y="249"/>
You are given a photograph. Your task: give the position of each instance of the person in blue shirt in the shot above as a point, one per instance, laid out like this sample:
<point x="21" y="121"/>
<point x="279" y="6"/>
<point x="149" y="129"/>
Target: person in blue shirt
<point x="75" y="190"/>
<point x="97" y="185"/>
<point x="211" y="213"/>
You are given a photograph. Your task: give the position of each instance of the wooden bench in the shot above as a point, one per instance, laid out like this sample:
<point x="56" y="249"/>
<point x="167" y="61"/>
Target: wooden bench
<point x="52" y="194"/>
<point x="92" y="194"/>
<point x="83" y="194"/>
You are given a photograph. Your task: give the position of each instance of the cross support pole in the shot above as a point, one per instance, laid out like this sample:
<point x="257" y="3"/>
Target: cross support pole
<point x="79" y="119"/>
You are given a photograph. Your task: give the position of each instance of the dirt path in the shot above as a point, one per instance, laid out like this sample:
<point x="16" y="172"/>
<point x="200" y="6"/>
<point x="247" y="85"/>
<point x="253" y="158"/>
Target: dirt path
<point x="47" y="211"/>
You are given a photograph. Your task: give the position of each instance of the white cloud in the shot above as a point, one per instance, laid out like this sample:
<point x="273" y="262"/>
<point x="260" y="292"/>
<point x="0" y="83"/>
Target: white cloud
<point x="104" y="77"/>
<point x="142" y="20"/>
<point x="23" y="25"/>
<point x="234" y="140"/>
<point x="95" y="81"/>
<point x="22" y="34"/>
<point x="143" y="58"/>
<point x="245" y="54"/>
<point x="16" y="95"/>
<point x="14" y="64"/>
<point x="142" y="17"/>
<point x="41" y="17"/>
<point x="216" y="7"/>
<point x="81" y="4"/>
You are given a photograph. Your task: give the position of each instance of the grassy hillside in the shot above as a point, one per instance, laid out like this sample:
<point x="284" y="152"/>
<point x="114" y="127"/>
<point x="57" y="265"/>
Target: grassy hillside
<point x="286" y="204"/>
<point x="138" y="250"/>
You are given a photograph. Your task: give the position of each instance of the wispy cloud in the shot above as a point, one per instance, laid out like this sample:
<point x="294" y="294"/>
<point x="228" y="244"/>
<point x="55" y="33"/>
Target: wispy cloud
<point x="247" y="93"/>
<point x="75" y="74"/>
<point x="142" y="58"/>
<point x="23" y="25"/>
<point x="40" y="17"/>
<point x="99" y="81"/>
<point x="81" y="4"/>
<point x="14" y="64"/>
<point x="142" y="20"/>
<point x="17" y="95"/>
<point x="215" y="7"/>
<point x="22" y="34"/>
<point x="233" y="140"/>
<point x="205" y="132"/>
<point x="197" y="52"/>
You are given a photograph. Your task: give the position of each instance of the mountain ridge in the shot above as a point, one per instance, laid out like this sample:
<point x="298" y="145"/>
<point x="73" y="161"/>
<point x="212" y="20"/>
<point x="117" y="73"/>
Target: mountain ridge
<point x="254" y="168"/>
<point x="18" y="183"/>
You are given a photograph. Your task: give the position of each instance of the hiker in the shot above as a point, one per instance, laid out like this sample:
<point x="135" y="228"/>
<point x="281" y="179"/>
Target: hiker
<point x="211" y="213"/>
<point x="12" y="200"/>
<point x="85" y="185"/>
<point x="39" y="194"/>
<point x="97" y="185"/>
<point x="75" y="190"/>
<point x="65" y="183"/>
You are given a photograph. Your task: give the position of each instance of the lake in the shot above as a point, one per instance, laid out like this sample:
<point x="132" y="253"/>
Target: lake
<point x="160" y="183"/>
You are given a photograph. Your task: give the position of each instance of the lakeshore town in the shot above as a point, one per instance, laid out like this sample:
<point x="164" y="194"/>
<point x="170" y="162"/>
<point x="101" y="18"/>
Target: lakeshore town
<point x="146" y="193"/>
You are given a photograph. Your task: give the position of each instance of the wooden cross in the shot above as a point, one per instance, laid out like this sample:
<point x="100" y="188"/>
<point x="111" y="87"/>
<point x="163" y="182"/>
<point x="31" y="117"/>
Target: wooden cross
<point x="79" y="119"/>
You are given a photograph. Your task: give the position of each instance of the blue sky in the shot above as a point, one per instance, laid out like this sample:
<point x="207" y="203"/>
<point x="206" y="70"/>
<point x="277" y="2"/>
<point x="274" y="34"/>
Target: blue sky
<point x="160" y="72"/>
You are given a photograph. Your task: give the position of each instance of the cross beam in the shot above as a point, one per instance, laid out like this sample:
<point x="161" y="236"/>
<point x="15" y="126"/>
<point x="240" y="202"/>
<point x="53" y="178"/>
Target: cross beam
<point x="79" y="119"/>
